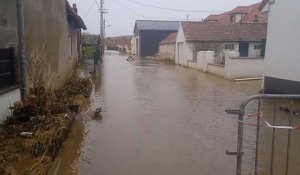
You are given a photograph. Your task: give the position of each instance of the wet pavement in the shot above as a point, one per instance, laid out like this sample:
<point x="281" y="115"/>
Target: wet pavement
<point x="158" y="119"/>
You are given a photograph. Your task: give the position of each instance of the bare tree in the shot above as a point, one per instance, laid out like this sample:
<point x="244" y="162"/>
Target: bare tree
<point x="38" y="68"/>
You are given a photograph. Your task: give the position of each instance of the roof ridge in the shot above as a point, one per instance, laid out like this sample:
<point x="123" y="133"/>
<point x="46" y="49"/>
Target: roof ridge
<point x="158" y="20"/>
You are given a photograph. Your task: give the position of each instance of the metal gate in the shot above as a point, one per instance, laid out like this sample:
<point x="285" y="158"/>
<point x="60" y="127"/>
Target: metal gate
<point x="261" y="122"/>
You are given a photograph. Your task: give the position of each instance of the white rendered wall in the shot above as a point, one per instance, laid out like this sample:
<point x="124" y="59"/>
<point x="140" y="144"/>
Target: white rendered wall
<point x="236" y="67"/>
<point x="282" y="52"/>
<point x="7" y="99"/>
<point x="167" y="51"/>
<point x="204" y="58"/>
<point x="180" y="52"/>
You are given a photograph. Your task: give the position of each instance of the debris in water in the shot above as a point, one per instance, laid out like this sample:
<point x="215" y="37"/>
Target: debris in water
<point x="97" y="114"/>
<point x="286" y="109"/>
<point x="26" y="134"/>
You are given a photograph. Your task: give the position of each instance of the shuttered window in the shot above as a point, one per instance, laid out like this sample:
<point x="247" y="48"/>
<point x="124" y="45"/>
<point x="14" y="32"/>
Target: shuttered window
<point x="7" y="68"/>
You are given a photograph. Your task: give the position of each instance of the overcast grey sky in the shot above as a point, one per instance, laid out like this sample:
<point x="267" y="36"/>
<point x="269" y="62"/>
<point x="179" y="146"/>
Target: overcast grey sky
<point x="123" y="13"/>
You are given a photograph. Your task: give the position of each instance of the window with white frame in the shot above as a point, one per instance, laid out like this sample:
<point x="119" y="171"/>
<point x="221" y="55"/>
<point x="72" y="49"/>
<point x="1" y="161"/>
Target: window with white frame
<point x="257" y="46"/>
<point x="229" y="46"/>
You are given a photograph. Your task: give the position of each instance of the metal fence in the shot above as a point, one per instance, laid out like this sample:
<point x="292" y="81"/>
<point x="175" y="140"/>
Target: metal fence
<point x="261" y="122"/>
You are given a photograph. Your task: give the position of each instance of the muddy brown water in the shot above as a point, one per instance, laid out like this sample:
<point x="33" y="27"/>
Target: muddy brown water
<point x="163" y="119"/>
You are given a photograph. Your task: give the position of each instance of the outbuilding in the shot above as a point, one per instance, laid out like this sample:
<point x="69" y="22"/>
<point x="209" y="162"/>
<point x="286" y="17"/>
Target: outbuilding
<point x="148" y="34"/>
<point x="167" y="47"/>
<point x="247" y="39"/>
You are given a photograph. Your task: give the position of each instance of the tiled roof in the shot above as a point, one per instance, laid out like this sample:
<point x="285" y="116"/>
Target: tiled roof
<point x="157" y="25"/>
<point x="208" y="31"/>
<point x="213" y="18"/>
<point x="218" y="18"/>
<point x="255" y="15"/>
<point x="74" y="18"/>
<point x="170" y="39"/>
<point x="263" y="3"/>
<point x="241" y="10"/>
<point x="252" y="14"/>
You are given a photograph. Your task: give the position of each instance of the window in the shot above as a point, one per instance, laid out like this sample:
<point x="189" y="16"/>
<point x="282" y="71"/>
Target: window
<point x="71" y="45"/>
<point x="229" y="46"/>
<point x="195" y="56"/>
<point x="7" y="68"/>
<point x="257" y="46"/>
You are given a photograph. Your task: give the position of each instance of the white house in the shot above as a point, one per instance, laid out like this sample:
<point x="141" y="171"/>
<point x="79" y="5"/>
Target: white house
<point x="246" y="40"/>
<point x="282" y="63"/>
<point x="254" y="13"/>
<point x="167" y="47"/>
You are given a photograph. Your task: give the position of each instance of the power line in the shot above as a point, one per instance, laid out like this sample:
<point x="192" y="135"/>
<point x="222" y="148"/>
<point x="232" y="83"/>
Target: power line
<point x="131" y="10"/>
<point x="97" y="4"/>
<point x="90" y="9"/>
<point x="156" y="18"/>
<point x="171" y="9"/>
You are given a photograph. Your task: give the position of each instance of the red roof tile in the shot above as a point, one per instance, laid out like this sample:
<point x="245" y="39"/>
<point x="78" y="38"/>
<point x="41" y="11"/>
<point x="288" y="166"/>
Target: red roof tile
<point x="241" y="10"/>
<point x="263" y="4"/>
<point x="207" y="31"/>
<point x="252" y="14"/>
<point x="170" y="39"/>
<point x="223" y="17"/>
<point x="213" y="18"/>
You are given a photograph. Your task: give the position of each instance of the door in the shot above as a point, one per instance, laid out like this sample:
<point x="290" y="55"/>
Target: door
<point x="180" y="54"/>
<point x="244" y="49"/>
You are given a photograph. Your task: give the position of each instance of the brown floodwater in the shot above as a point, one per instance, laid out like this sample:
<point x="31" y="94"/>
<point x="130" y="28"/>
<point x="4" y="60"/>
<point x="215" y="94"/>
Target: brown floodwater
<point x="161" y="119"/>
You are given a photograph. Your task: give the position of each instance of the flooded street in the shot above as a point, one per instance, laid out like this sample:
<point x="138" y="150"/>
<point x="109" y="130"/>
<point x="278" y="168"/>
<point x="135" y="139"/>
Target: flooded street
<point x="159" y="118"/>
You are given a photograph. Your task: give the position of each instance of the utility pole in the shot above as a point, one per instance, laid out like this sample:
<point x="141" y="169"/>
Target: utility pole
<point x="102" y="29"/>
<point x="21" y="49"/>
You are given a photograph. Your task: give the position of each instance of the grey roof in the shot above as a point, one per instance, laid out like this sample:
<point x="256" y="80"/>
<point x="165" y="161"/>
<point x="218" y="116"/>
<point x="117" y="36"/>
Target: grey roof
<point x="157" y="25"/>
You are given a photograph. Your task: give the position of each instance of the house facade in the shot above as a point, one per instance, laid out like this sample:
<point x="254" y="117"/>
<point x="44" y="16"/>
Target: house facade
<point x="214" y="42"/>
<point x="254" y="13"/>
<point x="282" y="58"/>
<point x="52" y="30"/>
<point x="167" y="47"/>
<point x="148" y="34"/>
<point x="247" y="39"/>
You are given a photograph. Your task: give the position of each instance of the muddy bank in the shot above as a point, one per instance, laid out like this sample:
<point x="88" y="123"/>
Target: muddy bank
<point x="33" y="154"/>
<point x="32" y="137"/>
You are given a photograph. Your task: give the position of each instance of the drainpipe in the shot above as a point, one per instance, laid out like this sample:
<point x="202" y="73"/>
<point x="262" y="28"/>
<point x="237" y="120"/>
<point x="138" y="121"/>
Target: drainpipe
<point x="21" y="48"/>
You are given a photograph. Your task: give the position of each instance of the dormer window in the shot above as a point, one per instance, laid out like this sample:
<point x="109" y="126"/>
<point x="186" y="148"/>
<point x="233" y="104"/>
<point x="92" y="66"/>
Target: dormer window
<point x="237" y="17"/>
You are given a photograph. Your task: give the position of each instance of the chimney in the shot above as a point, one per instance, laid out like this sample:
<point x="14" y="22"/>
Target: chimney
<point x="75" y="8"/>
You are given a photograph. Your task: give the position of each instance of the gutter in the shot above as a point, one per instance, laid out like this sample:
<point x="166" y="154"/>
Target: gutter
<point x="21" y="49"/>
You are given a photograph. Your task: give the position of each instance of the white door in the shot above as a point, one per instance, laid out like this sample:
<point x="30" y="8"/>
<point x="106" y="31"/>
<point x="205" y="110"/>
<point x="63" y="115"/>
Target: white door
<point x="180" y="54"/>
